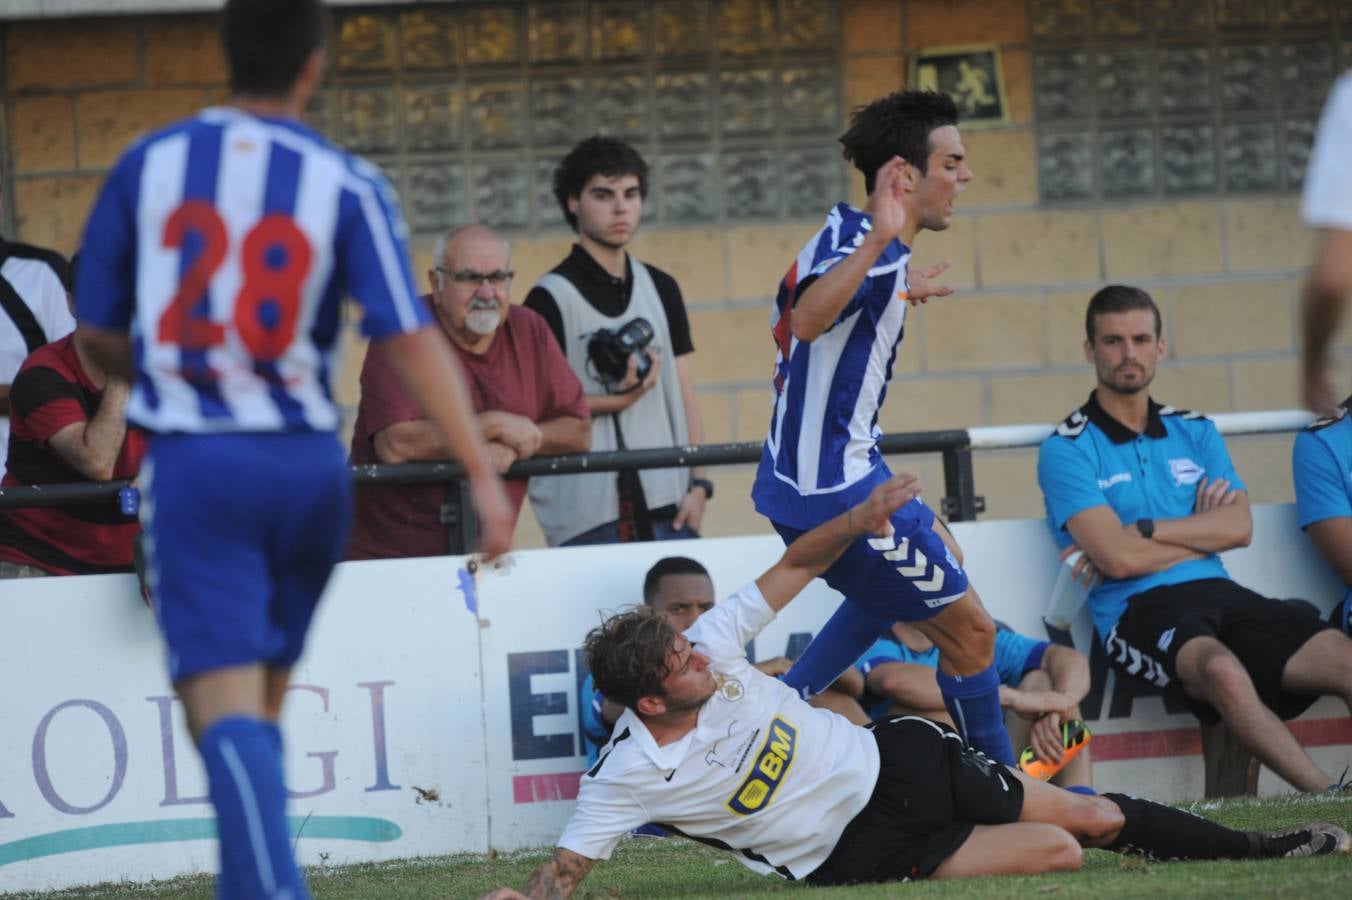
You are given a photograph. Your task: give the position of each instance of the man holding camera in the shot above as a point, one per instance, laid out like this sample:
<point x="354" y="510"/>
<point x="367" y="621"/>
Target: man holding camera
<point x="623" y="327"/>
<point x="526" y="400"/>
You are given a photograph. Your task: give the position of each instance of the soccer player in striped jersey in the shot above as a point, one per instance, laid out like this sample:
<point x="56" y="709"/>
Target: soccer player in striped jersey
<point x="837" y="323"/>
<point x="212" y="270"/>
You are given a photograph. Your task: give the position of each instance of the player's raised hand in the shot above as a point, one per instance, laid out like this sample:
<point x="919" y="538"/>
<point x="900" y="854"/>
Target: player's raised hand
<point x="889" y="216"/>
<point x="874" y="515"/>
<point x="920" y="287"/>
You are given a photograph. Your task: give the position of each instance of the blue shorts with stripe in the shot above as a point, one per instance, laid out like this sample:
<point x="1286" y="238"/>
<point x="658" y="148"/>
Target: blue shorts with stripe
<point x="909" y="575"/>
<point x="242" y="532"/>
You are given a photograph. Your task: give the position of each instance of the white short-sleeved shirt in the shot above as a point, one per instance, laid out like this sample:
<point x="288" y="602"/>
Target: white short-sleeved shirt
<point x="1327" y="201"/>
<point x="762" y="774"/>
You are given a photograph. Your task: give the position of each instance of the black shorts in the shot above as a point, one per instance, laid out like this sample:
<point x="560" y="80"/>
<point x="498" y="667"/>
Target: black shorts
<point x="932" y="789"/>
<point x="1263" y="633"/>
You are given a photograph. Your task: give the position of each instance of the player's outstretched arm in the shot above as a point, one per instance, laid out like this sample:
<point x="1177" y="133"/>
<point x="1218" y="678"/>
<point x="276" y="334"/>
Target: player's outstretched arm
<point x="813" y="553"/>
<point x="557" y="878"/>
<point x="424" y="364"/>
<point x="816" y="309"/>
<point x="1326" y="293"/>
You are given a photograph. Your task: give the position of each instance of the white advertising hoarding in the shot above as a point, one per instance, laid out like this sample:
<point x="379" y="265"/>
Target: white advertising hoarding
<point x="437" y="712"/>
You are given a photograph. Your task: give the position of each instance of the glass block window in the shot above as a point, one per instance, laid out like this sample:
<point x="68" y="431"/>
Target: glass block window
<point x="468" y="107"/>
<point x="1165" y="98"/>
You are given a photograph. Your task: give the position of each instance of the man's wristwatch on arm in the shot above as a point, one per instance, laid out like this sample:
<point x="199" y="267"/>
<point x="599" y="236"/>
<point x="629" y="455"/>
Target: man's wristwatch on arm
<point x="1146" y="527"/>
<point x="705" y="484"/>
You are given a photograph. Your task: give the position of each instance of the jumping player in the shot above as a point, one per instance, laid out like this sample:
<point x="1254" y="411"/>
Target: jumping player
<point x="212" y="270"/>
<point x="837" y="323"/>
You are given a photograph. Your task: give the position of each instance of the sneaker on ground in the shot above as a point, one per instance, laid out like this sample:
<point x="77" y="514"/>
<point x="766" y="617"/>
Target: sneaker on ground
<point x="1316" y="839"/>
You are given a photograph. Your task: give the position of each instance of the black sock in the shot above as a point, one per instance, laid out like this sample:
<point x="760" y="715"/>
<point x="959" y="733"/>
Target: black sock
<point x="1162" y="832"/>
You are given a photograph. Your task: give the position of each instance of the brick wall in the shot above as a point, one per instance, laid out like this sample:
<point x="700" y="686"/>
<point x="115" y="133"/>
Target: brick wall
<point x="1005" y="349"/>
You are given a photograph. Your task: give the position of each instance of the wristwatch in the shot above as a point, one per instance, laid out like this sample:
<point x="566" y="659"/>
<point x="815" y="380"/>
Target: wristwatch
<point x="705" y="484"/>
<point x="1146" y="527"/>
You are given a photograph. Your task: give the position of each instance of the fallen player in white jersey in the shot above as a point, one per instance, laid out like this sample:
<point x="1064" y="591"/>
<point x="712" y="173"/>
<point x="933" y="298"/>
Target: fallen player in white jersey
<point x="714" y="750"/>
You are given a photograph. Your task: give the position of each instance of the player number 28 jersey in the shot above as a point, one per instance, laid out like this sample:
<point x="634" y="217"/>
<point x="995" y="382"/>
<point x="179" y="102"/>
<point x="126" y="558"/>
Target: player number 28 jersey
<point x="224" y="243"/>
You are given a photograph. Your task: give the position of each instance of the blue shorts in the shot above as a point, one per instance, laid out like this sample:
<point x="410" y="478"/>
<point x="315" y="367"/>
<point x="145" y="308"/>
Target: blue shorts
<point x="242" y="533"/>
<point x="908" y="576"/>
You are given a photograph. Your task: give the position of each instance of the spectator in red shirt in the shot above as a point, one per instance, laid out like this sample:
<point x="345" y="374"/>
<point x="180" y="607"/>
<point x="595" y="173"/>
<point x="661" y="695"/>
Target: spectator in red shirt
<point x="528" y="400"/>
<point x="68" y="424"/>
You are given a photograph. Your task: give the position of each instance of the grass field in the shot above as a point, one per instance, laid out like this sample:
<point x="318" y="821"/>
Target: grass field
<point x="677" y="868"/>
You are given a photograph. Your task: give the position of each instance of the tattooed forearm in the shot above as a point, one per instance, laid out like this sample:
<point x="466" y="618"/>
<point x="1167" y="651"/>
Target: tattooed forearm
<point x="559" y="877"/>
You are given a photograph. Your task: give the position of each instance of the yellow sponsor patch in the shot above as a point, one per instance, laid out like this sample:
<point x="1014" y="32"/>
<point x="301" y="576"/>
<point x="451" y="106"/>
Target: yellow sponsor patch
<point x="768" y="771"/>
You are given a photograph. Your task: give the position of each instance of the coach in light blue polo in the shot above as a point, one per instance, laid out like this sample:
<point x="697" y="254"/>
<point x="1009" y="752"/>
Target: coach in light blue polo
<point x="1321" y="469"/>
<point x="1149" y="494"/>
<point x="1094" y="459"/>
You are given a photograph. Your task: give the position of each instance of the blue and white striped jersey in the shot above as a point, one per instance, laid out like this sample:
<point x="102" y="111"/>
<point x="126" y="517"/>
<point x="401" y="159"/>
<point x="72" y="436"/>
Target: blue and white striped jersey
<point x="821" y="455"/>
<point x="225" y="243"/>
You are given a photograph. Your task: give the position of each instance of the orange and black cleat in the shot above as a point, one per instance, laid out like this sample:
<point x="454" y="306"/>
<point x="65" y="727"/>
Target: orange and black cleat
<point x="1074" y="738"/>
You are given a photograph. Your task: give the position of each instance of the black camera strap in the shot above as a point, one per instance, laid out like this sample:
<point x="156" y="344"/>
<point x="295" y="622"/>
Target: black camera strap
<point x="635" y="522"/>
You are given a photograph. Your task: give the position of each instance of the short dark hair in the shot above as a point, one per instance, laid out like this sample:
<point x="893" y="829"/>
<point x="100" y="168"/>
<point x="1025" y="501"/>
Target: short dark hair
<point x="1117" y="298"/>
<point x="627" y="655"/>
<point x="896" y="125"/>
<point x="267" y="42"/>
<point x="669" y="565"/>
<point x="596" y="155"/>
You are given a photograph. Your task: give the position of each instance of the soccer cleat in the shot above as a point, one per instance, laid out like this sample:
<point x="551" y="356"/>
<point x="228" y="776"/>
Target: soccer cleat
<point x="1315" y="839"/>
<point x="1074" y="738"/>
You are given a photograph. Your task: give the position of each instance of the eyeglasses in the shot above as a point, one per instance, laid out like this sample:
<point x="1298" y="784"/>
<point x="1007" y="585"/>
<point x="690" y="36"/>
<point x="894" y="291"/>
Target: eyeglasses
<point x="469" y="276"/>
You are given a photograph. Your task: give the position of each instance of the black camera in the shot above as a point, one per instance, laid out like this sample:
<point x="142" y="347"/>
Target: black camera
<point x="609" y="351"/>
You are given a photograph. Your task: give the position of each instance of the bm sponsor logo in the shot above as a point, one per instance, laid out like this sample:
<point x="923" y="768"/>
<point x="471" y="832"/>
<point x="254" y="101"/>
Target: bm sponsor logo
<point x="772" y="764"/>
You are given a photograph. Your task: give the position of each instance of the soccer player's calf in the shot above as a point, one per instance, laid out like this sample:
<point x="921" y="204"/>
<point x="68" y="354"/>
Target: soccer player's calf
<point x="916" y="576"/>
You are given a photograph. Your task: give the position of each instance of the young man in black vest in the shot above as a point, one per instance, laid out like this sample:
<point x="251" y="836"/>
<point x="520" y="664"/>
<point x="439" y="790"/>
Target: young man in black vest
<point x="600" y="186"/>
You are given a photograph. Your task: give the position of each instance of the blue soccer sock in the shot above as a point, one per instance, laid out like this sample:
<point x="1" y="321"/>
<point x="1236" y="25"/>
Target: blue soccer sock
<point x="974" y="703"/>
<point x="244" y="771"/>
<point x="843" y="639"/>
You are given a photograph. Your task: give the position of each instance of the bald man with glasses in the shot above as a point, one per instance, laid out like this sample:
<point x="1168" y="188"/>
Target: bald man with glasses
<point x="527" y="398"/>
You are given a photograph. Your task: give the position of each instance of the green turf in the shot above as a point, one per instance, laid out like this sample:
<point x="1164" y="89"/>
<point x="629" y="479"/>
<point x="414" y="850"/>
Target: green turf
<point x="679" y="869"/>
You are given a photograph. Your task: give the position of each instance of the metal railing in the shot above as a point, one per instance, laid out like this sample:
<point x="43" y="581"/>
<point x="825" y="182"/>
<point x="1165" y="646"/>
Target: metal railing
<point x="960" y="502"/>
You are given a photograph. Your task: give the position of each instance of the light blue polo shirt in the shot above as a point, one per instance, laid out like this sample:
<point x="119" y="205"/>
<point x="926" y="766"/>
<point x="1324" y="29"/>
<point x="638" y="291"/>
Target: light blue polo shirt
<point x="1321" y="468"/>
<point x="1094" y="460"/>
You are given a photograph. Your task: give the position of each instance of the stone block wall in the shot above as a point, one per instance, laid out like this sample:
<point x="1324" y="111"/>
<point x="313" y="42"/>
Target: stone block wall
<point x="1226" y="267"/>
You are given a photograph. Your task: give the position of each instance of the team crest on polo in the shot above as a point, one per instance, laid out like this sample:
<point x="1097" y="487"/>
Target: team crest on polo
<point x="772" y="764"/>
<point x="729" y="689"/>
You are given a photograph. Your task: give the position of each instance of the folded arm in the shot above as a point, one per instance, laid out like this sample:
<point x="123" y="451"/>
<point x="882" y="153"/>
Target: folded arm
<point x="91" y="447"/>
<point x="1118" y="552"/>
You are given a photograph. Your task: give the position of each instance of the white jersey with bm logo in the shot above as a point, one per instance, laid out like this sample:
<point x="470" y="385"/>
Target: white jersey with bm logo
<point x="763" y="774"/>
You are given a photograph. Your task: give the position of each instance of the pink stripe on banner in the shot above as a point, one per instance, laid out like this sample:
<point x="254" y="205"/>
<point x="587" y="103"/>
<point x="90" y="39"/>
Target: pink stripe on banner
<point x="541" y="788"/>
<point x="1188" y="741"/>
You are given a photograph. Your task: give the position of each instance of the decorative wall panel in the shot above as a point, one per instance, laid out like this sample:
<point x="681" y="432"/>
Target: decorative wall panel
<point x="1141" y="98"/>
<point x="469" y="107"/>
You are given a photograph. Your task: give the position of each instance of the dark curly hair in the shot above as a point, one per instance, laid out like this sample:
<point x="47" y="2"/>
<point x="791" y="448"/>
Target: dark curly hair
<point x="896" y="125"/>
<point x="596" y="156"/>
<point x="627" y="655"/>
